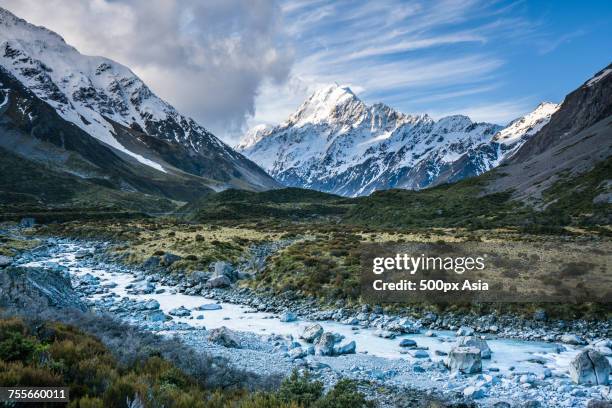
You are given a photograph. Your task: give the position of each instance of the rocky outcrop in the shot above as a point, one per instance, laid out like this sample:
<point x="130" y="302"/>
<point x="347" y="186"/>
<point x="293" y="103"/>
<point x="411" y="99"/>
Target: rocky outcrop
<point x="34" y="289"/>
<point x="582" y="108"/>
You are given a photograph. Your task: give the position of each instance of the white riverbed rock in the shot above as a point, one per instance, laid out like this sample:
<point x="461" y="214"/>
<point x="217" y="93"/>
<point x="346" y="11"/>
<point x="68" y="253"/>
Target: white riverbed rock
<point x="325" y="345"/>
<point x="590" y="367"/>
<point x="472" y="341"/>
<point x="466" y="360"/>
<point x="288" y="317"/>
<point x="465" y="331"/>
<point x="572" y="339"/>
<point x="312" y="332"/>
<point x="346" y="348"/>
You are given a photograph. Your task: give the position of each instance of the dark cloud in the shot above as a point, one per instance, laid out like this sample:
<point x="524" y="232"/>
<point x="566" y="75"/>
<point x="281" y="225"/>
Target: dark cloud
<point x="208" y="58"/>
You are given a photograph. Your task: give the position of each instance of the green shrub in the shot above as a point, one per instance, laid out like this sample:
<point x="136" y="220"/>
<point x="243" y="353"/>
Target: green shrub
<point x="300" y="389"/>
<point x="16" y="347"/>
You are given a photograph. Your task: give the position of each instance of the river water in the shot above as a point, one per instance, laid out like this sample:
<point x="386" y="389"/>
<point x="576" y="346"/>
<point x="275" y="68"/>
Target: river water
<point x="507" y="354"/>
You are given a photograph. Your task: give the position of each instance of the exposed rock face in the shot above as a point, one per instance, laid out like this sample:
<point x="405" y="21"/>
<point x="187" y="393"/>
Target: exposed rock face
<point x="590" y="368"/>
<point x="577" y="137"/>
<point x="224" y="337"/>
<point x="312" y="333"/>
<point x="36" y="289"/>
<point x="466" y="360"/>
<point x="582" y="108"/>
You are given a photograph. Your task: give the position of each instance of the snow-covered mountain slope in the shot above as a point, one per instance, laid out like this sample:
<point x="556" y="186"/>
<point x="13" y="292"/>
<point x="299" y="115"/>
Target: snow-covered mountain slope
<point x="336" y="143"/>
<point x="108" y="102"/>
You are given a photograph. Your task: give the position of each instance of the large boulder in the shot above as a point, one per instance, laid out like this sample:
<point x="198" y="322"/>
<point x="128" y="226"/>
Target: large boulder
<point x="297" y="352"/>
<point x="224" y="337"/>
<point x="346" y="348"/>
<point x="572" y="339"/>
<point x="385" y="334"/>
<point x="465" y="331"/>
<point x="151" y="262"/>
<point x="312" y="333"/>
<point x="5" y="261"/>
<point x="199" y="277"/>
<point x="156" y="316"/>
<point x="404" y="325"/>
<point x="590" y="367"/>
<point x="224" y="268"/>
<point x="325" y="345"/>
<point x="465" y="360"/>
<point x="150" y="304"/>
<point x="220" y="281"/>
<point x="408" y="343"/>
<point x="180" y="312"/>
<point x="168" y="259"/>
<point x="141" y="288"/>
<point x="473" y="341"/>
<point x="36" y="289"/>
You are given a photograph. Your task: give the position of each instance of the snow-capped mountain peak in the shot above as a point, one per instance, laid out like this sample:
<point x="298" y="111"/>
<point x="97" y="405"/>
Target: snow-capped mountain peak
<point x="325" y="104"/>
<point x="528" y="125"/>
<point x="335" y="142"/>
<point x="106" y="99"/>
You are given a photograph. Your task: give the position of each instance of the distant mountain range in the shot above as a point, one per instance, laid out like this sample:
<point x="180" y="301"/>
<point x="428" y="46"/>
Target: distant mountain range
<point x="93" y="119"/>
<point x="336" y="143"/>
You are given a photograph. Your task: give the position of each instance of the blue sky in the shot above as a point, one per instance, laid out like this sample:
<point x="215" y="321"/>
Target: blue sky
<point x="491" y="60"/>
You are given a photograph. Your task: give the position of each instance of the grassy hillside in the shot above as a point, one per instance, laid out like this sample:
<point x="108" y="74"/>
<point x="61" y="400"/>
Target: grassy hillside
<point x="573" y="201"/>
<point x="28" y="188"/>
<point x="291" y="204"/>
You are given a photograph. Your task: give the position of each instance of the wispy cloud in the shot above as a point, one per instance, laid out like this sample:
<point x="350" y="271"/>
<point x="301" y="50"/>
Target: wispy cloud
<point x="412" y="54"/>
<point x="547" y="45"/>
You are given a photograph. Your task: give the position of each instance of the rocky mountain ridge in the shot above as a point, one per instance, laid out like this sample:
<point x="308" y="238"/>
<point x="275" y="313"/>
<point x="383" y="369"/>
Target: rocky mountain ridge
<point x="336" y="143"/>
